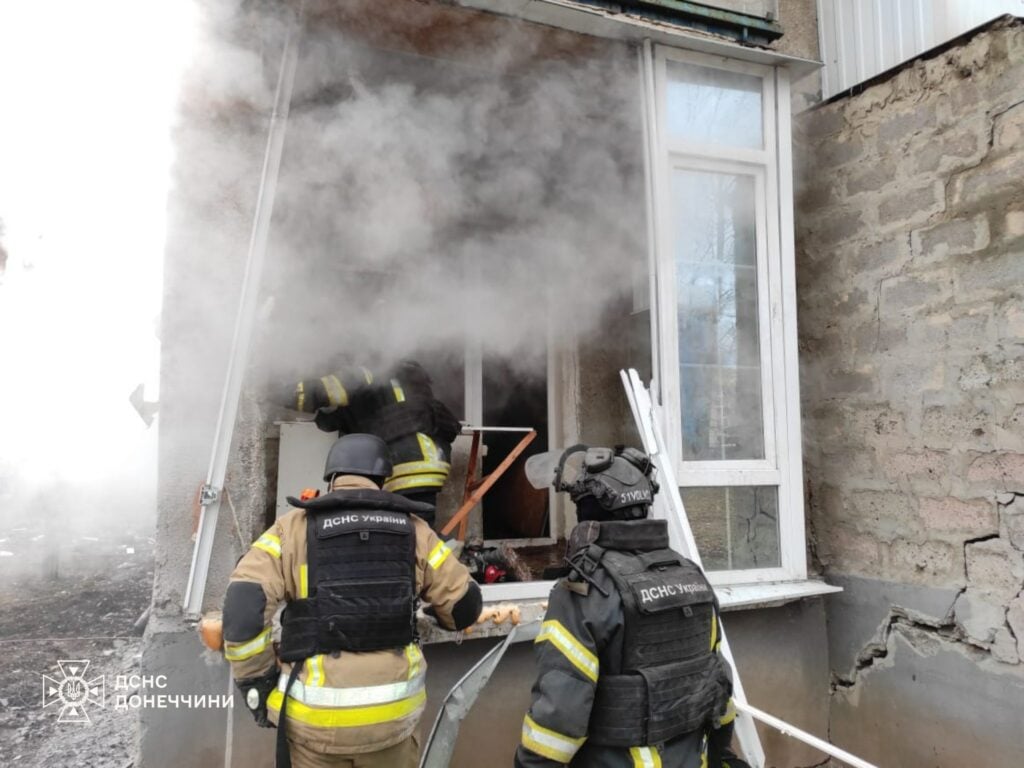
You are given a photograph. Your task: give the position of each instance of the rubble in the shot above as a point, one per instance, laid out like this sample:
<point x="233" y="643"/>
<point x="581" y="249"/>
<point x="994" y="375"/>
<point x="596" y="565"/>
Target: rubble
<point x="85" y="612"/>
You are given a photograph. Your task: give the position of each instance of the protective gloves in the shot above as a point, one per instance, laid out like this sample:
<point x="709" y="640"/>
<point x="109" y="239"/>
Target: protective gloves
<point x="255" y="691"/>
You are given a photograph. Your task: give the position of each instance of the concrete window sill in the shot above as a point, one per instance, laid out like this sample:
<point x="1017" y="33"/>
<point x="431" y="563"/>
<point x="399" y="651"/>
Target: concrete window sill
<point x="531" y="610"/>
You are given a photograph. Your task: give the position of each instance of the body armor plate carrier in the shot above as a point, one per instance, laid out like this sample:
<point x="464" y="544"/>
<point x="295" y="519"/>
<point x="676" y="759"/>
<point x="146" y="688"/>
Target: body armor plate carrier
<point x="361" y="554"/>
<point x="671" y="680"/>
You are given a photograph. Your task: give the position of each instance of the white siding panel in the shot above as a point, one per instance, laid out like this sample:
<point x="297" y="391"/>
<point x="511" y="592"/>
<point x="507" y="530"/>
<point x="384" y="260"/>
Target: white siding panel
<point x="862" y="38"/>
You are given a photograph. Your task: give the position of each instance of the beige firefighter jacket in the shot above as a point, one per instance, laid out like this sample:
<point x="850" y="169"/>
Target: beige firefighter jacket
<point x="343" y="703"/>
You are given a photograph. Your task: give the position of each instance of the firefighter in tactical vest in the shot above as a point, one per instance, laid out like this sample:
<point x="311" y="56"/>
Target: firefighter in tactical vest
<point x="349" y="566"/>
<point x="629" y="674"/>
<point x="400" y="408"/>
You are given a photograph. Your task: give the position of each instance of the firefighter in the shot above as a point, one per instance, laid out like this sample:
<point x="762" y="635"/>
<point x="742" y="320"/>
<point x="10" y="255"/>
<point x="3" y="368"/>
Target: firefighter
<point x="349" y="567"/>
<point x="400" y="408"/>
<point x="629" y="671"/>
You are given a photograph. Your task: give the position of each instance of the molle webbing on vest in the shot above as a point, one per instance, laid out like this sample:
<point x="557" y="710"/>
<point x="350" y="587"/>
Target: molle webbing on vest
<point x="669" y="607"/>
<point x="362" y="583"/>
<point x="658" y="703"/>
<point x="670" y="682"/>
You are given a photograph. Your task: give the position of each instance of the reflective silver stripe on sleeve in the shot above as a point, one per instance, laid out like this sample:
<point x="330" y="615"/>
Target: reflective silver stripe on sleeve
<point x="246" y="650"/>
<point x="548" y="743"/>
<point x="555" y="633"/>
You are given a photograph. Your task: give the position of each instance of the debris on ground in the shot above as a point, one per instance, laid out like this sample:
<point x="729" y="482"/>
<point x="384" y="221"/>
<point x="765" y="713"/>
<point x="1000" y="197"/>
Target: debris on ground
<point x="79" y="603"/>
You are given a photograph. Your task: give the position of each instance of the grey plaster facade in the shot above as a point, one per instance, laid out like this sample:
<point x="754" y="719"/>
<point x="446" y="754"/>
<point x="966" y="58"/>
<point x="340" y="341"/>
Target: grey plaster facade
<point x="910" y="266"/>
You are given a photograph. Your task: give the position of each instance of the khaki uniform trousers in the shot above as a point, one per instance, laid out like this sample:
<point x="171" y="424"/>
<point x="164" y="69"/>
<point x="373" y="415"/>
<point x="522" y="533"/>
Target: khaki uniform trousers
<point x="404" y="754"/>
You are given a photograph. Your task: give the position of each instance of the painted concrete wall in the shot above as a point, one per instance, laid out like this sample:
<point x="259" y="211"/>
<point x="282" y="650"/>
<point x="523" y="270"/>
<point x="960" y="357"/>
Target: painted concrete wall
<point x="799" y="21"/>
<point x="910" y="272"/>
<point x="781" y="654"/>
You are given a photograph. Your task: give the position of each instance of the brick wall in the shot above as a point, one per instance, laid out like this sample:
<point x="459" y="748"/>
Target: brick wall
<point x="910" y="268"/>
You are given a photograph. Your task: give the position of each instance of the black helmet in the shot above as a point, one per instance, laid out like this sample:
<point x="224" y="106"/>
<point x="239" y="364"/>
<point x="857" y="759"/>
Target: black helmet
<point x="612" y="483"/>
<point x="358" y="454"/>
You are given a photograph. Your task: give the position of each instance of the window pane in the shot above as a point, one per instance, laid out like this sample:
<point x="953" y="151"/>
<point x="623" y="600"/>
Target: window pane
<point x="714" y="106"/>
<point x="735" y="527"/>
<point x="719" y="347"/>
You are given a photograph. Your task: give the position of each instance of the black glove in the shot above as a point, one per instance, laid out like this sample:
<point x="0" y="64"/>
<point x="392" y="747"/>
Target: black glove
<point x="254" y="693"/>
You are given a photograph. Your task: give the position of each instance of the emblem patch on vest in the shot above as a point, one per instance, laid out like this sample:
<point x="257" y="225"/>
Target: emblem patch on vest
<point x="354" y="522"/>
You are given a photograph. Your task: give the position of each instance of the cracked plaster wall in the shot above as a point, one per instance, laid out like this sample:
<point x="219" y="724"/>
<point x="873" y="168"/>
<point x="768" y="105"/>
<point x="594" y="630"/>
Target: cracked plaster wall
<point x="910" y="268"/>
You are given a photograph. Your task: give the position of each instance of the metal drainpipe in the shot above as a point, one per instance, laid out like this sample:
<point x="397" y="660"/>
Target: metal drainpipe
<point x="213" y="489"/>
<point x="240" y="344"/>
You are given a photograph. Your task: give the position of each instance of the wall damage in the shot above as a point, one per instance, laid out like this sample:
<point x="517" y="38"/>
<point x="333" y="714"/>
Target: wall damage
<point x="910" y="272"/>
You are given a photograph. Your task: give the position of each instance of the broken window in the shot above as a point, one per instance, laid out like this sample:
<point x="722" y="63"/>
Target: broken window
<point x="724" y="364"/>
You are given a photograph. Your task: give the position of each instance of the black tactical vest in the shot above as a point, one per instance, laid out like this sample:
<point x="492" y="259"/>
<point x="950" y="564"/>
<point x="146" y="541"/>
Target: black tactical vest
<point x="670" y="681"/>
<point x="361" y="576"/>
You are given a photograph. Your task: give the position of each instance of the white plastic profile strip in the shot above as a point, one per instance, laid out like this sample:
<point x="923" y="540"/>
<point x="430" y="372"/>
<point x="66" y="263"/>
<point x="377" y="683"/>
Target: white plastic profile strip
<point x="244" y="321"/>
<point x="806" y="738"/>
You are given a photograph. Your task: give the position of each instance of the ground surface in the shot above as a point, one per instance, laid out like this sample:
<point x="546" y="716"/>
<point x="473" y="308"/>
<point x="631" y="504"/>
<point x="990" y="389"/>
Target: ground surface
<point x="79" y="604"/>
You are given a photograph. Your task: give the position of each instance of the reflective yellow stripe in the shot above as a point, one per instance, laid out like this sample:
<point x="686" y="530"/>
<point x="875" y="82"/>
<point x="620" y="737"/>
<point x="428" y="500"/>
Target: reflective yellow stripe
<point x="336" y="394"/>
<point x="367" y="375"/>
<point x="730" y="714"/>
<point x="315" y="670"/>
<point x="303" y="580"/>
<point x="553" y="632"/>
<point x="420" y="468"/>
<point x="270" y="544"/>
<point x="645" y="757"/>
<point x="428" y="448"/>
<point x="300" y="396"/>
<point x="396" y="387"/>
<point x="415" y="481"/>
<point x="438" y="555"/>
<point x="351" y="717"/>
<point x="550" y="744"/>
<point x="414" y="655"/>
<point x="243" y="651"/>
<point x="714" y="630"/>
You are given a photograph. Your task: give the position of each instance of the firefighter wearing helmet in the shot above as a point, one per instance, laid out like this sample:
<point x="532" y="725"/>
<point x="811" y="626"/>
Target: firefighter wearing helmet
<point x="629" y="672"/>
<point x="346" y="684"/>
<point x="400" y="408"/>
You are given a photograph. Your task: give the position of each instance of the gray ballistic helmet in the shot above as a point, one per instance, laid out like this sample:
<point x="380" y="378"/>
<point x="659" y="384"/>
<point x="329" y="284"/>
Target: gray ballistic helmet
<point x="620" y="480"/>
<point x="358" y="454"/>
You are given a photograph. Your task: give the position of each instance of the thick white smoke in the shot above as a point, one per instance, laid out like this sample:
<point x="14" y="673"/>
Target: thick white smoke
<point x="491" y="193"/>
<point x="88" y="94"/>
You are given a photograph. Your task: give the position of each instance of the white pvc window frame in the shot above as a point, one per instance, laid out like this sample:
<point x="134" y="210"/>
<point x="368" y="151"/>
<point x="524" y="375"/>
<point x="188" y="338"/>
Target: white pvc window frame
<point x="771" y="169"/>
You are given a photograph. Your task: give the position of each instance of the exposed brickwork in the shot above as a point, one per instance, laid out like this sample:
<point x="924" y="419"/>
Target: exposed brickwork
<point x="910" y="268"/>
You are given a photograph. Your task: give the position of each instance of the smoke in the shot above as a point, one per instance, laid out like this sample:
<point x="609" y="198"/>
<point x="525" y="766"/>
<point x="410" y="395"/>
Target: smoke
<point x="451" y="181"/>
<point x="88" y="95"/>
<point x="488" y="195"/>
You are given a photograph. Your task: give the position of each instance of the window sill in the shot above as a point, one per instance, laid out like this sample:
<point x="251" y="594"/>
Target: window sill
<point x="531" y="609"/>
<point x="747" y="596"/>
